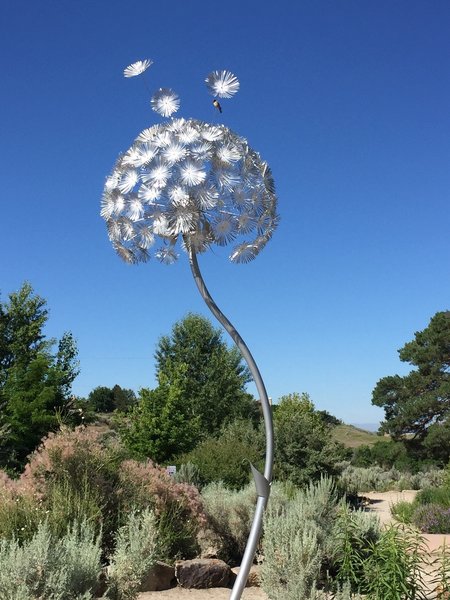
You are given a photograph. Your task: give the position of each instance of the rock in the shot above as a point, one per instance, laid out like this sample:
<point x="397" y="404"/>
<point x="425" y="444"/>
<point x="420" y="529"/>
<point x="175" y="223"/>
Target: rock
<point x="254" y="577"/>
<point x="158" y="578"/>
<point x="202" y="573"/>
<point x="209" y="543"/>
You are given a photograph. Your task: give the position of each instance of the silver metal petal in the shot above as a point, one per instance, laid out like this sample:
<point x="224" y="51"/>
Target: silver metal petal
<point x="137" y="68"/>
<point x="167" y="255"/>
<point x="174" y="153"/>
<point x="222" y="84"/>
<point x="192" y="173"/>
<point x="125" y="254"/>
<point x="128" y="181"/>
<point x="244" y="253"/>
<point x="165" y="102"/>
<point x="224" y="229"/>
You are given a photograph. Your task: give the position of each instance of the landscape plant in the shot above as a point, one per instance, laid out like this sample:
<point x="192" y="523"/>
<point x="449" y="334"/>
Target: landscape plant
<point x="225" y="456"/>
<point x="82" y="474"/>
<point x="418" y="403"/>
<point x="305" y="449"/>
<point x="229" y="516"/>
<point x="136" y="550"/>
<point x="394" y="566"/>
<point x="35" y="377"/>
<point x="64" y="568"/>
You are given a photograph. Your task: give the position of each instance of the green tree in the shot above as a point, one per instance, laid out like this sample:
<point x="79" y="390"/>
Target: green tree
<point x="304" y="449"/>
<point x="34" y="382"/>
<point x="103" y="399"/>
<point x="21" y="329"/>
<point x="161" y="425"/>
<point x="214" y="374"/>
<point x="418" y="404"/>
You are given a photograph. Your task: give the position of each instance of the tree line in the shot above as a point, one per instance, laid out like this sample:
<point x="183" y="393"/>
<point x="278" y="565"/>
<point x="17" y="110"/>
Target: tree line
<point x="200" y="410"/>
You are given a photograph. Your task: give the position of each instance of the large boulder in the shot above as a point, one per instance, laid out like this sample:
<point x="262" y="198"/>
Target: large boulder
<point x="159" y="577"/>
<point x="202" y="573"/>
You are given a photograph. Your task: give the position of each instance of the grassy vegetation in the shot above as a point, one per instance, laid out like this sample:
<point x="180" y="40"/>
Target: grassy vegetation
<point x="353" y="437"/>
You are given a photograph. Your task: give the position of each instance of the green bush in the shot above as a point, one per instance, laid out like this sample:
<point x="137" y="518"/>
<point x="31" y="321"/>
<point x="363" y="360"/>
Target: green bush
<point x="227" y="457"/>
<point x="393" y="568"/>
<point x="348" y="547"/>
<point x="305" y="449"/>
<point x="434" y="495"/>
<point x="45" y="567"/>
<point x="136" y="551"/>
<point x="403" y="512"/>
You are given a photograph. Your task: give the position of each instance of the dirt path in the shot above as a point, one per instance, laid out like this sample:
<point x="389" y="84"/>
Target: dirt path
<point x="178" y="593"/>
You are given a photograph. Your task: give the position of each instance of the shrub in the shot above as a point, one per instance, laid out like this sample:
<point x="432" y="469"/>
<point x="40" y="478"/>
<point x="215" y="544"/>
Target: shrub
<point x="227" y="456"/>
<point x="434" y="495"/>
<point x="178" y="506"/>
<point x="295" y="542"/>
<point x="136" y="551"/>
<point x="403" y="511"/>
<point x="348" y="547"/>
<point x="81" y="474"/>
<point x="305" y="449"/>
<point x="188" y="473"/>
<point x="229" y="515"/>
<point x="360" y="479"/>
<point x="393" y="567"/>
<point x="292" y="557"/>
<point x="19" y="512"/>
<point x="43" y="567"/>
<point x="432" y="518"/>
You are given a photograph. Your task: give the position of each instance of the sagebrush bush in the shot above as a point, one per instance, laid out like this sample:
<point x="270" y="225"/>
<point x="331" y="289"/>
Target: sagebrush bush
<point x="188" y="473"/>
<point x="229" y="516"/>
<point x="292" y="557"/>
<point x="136" y="551"/>
<point x="315" y="539"/>
<point x="45" y="567"/>
<point x="295" y="542"/>
<point x="366" y="479"/>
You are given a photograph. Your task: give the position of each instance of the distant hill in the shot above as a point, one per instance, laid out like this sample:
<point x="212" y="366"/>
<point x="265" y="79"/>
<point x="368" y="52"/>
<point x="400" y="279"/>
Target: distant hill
<point x="352" y="436"/>
<point x="367" y="426"/>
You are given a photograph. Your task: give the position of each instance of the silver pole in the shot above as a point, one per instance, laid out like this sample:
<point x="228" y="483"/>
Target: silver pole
<point x="262" y="481"/>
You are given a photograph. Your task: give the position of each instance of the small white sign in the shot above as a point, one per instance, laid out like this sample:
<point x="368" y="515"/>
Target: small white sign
<point x="171" y="470"/>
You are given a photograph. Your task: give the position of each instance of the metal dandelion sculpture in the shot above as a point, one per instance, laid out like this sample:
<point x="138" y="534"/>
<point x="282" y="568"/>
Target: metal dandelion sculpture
<point x="186" y="184"/>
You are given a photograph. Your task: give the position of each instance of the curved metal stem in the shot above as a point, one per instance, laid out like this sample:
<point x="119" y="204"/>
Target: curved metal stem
<point x="262" y="481"/>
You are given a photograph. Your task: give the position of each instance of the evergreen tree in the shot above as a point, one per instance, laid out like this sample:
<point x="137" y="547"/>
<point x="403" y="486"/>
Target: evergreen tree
<point x="35" y="384"/>
<point x="419" y="403"/>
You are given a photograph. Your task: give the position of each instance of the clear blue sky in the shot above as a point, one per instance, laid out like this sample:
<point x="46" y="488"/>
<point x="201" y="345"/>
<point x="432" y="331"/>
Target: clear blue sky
<point x="349" y="102"/>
